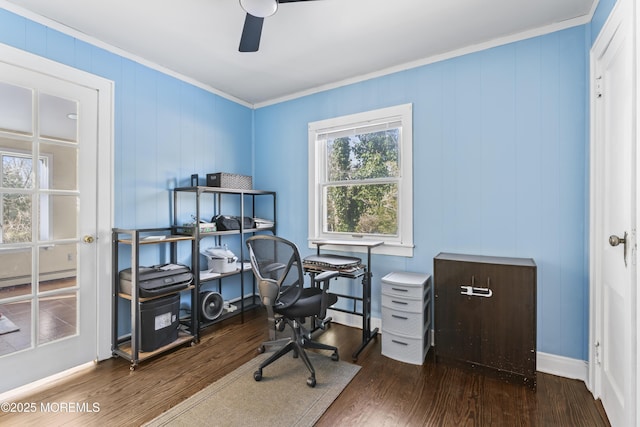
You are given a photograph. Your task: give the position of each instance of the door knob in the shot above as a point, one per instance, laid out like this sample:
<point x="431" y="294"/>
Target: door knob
<point x="88" y="238"/>
<point x="615" y="241"/>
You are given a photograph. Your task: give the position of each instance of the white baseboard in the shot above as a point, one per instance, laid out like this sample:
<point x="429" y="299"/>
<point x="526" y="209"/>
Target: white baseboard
<point x="352" y="320"/>
<point x="563" y="366"/>
<point x="547" y="363"/>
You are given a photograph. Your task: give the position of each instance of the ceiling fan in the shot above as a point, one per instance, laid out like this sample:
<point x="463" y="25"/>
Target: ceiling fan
<point x="257" y="10"/>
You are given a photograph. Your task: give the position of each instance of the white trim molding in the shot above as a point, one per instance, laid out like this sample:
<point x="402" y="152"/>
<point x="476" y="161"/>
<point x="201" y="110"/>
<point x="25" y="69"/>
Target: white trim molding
<point x="563" y="366"/>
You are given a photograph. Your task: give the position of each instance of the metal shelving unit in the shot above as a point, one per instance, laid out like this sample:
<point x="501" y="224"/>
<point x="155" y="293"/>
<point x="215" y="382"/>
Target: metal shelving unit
<point x="216" y="195"/>
<point x="128" y="346"/>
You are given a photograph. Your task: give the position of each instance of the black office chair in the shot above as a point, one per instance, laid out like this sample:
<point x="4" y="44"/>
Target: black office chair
<point x="277" y="267"/>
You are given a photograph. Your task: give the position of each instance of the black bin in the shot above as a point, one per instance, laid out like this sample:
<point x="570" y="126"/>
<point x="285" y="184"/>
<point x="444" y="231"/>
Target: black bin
<point x="159" y="322"/>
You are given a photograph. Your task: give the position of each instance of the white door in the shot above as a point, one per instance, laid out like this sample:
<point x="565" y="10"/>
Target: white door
<point x="613" y="210"/>
<point x="48" y="189"/>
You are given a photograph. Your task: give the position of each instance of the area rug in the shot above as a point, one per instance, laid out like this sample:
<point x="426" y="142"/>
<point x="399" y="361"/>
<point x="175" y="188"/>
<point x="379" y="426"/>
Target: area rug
<point x="282" y="398"/>
<point x="7" y="325"/>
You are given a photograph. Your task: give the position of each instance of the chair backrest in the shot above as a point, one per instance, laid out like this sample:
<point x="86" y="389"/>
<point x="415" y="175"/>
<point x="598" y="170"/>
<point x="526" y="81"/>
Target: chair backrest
<point x="277" y="266"/>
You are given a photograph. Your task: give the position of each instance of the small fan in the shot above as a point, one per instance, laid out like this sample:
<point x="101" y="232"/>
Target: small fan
<point x="211" y="305"/>
<point x="257" y="10"/>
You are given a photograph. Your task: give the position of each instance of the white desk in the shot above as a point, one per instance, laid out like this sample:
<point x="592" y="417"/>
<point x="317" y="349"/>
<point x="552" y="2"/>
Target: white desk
<point x="367" y="333"/>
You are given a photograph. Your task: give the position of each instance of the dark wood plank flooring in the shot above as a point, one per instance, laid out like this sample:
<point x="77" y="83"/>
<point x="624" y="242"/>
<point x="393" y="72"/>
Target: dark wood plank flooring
<point x="384" y="393"/>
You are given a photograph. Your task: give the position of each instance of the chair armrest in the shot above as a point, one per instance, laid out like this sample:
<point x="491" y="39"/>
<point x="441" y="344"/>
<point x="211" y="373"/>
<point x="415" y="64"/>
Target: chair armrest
<point x="325" y="276"/>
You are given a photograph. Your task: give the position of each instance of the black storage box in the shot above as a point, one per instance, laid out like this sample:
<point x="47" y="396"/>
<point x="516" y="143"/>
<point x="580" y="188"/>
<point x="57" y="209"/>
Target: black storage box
<point x="159" y="322"/>
<point x="229" y="180"/>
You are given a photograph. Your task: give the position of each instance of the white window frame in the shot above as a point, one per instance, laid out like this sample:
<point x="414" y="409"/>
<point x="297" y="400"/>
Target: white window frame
<point x="400" y="245"/>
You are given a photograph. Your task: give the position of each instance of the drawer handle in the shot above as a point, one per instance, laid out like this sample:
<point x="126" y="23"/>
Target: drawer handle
<point x="400" y="289"/>
<point x="399" y="317"/>
<point x="472" y="291"/>
<point x="399" y="342"/>
<point x="400" y="302"/>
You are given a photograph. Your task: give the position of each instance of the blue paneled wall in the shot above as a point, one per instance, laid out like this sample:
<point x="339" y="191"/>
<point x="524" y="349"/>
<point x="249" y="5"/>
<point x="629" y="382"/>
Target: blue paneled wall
<point x="165" y="129"/>
<point x="500" y="166"/>
<point x="500" y="153"/>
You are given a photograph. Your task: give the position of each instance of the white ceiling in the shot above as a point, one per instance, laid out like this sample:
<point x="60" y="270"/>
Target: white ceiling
<point x="306" y="45"/>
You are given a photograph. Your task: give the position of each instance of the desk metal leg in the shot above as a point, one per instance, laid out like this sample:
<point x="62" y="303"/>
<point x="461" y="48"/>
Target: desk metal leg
<point x="367" y="333"/>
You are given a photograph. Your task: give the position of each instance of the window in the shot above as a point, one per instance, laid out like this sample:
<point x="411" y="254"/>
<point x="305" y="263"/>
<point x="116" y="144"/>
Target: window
<point x="16" y="176"/>
<point x="360" y="178"/>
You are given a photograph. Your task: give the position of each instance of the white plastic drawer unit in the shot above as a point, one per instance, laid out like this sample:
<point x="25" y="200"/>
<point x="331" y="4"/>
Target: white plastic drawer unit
<point x="405" y="349"/>
<point x="406" y="316"/>
<point x="403" y="322"/>
<point x="403" y="290"/>
<point x="403" y="304"/>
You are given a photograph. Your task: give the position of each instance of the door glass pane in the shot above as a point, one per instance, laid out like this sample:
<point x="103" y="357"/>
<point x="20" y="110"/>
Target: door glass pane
<point x="16" y="112"/>
<point x="16" y="218"/>
<point x="59" y="166"/>
<point x="57" y="317"/>
<point x="58" y="118"/>
<point x="16" y="168"/>
<point x="61" y="219"/>
<point x="57" y="267"/>
<point x="16" y="321"/>
<point x="15" y="274"/>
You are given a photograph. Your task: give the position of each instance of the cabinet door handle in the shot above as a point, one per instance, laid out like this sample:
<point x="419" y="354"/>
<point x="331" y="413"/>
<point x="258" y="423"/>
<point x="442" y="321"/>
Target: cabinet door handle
<point x="399" y="342"/>
<point x="400" y="289"/>
<point x="399" y="317"/>
<point x="472" y="291"/>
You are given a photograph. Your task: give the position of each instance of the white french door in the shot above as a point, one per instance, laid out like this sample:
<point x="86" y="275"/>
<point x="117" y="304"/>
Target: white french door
<point x="49" y="278"/>
<point x="613" y="219"/>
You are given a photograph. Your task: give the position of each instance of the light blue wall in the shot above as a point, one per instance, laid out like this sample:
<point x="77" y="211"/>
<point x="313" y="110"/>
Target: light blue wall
<point x="165" y="129"/>
<point x="500" y="153"/>
<point x="500" y="166"/>
<point x="600" y="15"/>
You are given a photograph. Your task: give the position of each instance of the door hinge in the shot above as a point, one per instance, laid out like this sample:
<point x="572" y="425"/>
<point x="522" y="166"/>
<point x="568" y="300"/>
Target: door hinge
<point x="596" y="352"/>
<point x="598" y="87"/>
<point x="634" y="247"/>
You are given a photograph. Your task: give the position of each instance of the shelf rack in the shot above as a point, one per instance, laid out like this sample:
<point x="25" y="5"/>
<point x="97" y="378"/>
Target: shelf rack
<point x="128" y="347"/>
<point x="217" y="194"/>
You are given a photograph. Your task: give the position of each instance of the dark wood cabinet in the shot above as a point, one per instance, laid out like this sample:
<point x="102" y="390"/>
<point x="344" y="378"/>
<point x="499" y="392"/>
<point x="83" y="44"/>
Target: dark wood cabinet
<point x="485" y="314"/>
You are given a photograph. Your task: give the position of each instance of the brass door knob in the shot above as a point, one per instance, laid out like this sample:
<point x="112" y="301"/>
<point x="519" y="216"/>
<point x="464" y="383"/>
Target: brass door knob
<point x="88" y="238"/>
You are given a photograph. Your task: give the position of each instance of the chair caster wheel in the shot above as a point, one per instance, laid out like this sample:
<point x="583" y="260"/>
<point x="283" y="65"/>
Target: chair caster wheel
<point x="261" y="349"/>
<point x="311" y="381"/>
<point x="335" y="357"/>
<point x="257" y="375"/>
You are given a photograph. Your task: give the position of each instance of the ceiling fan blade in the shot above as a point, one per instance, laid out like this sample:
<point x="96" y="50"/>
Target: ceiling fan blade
<point x="250" y="40"/>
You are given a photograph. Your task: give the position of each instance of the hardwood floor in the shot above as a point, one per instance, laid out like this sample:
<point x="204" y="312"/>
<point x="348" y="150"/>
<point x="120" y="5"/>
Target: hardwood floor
<point x="384" y="393"/>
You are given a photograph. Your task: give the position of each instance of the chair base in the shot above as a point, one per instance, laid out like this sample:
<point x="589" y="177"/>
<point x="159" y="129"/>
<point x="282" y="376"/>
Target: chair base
<point x="298" y="343"/>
